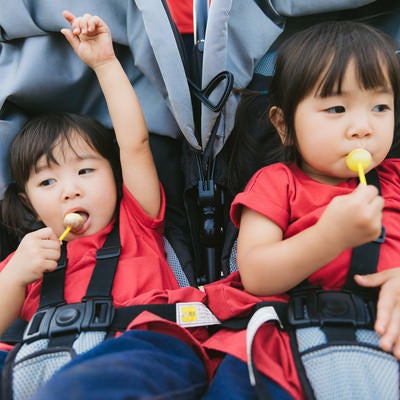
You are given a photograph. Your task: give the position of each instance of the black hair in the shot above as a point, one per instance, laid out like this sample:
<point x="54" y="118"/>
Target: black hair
<point x="38" y="138"/>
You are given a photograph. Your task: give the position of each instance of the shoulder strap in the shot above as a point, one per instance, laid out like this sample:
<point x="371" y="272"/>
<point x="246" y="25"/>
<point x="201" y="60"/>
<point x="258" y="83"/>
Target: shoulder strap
<point x="107" y="257"/>
<point x="52" y="290"/>
<point x="364" y="259"/>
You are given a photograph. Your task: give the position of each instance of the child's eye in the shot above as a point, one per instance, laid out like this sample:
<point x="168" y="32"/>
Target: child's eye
<point x="335" y="110"/>
<point x="381" y="107"/>
<point x="84" y="171"/>
<point x="47" y="182"/>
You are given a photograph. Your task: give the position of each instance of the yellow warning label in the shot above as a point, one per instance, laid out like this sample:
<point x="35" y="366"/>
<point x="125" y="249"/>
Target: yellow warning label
<point x="188" y="314"/>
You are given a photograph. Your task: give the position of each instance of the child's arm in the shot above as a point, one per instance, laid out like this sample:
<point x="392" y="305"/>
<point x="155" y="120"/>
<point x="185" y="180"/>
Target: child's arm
<point x="37" y="253"/>
<point x="269" y="264"/>
<point x="388" y="312"/>
<point x="90" y="38"/>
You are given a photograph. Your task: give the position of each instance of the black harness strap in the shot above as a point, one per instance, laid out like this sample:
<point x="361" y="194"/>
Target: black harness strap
<point x="364" y="259"/>
<point x="14" y="333"/>
<point x="53" y="283"/>
<point x="102" y="279"/>
<point x="123" y="316"/>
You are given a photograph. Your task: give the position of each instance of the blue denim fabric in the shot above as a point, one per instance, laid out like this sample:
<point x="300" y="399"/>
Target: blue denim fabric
<point x="137" y="365"/>
<point x="232" y="382"/>
<point x="3" y="355"/>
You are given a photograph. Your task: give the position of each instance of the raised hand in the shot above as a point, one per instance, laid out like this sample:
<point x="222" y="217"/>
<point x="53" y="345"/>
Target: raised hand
<point x="90" y="38"/>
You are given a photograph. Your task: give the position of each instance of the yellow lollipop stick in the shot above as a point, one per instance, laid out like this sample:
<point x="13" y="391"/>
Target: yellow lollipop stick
<point x="361" y="174"/>
<point x="65" y="233"/>
<point x="358" y="160"/>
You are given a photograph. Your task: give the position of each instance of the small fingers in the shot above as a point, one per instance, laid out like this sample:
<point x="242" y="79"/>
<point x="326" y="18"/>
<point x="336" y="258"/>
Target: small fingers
<point x="390" y="340"/>
<point x="371" y="280"/>
<point x="366" y="192"/>
<point x="85" y="24"/>
<point x="49" y="265"/>
<point x="68" y="16"/>
<point x="383" y="313"/>
<point x="381" y="278"/>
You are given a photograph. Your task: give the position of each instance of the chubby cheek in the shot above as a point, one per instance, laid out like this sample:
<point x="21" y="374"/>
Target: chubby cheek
<point x="111" y="201"/>
<point x="48" y="217"/>
<point x="310" y="151"/>
<point x="42" y="206"/>
<point x="106" y="206"/>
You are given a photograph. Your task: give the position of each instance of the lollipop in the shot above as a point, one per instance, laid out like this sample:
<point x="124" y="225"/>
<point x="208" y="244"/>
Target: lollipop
<point x="358" y="160"/>
<point x="72" y="222"/>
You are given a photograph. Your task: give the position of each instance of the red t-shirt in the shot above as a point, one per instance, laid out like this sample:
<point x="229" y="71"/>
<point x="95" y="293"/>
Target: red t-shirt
<point x="294" y="202"/>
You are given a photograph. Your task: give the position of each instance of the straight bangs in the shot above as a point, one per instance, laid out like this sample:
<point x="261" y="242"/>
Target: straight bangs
<point x="375" y="63"/>
<point x="38" y="138"/>
<point x="65" y="139"/>
<point x="317" y="59"/>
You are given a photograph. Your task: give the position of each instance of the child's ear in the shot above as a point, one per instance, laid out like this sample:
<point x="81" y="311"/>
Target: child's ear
<point x="277" y="119"/>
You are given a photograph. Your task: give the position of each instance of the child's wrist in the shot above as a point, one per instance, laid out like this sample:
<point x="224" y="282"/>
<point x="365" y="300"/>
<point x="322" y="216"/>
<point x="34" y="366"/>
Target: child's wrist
<point x="104" y="64"/>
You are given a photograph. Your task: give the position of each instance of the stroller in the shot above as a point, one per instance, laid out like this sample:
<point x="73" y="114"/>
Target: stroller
<point x="189" y="100"/>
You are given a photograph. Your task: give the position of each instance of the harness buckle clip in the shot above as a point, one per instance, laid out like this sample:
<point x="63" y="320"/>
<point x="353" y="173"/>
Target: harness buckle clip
<point x="331" y="307"/>
<point x="89" y="315"/>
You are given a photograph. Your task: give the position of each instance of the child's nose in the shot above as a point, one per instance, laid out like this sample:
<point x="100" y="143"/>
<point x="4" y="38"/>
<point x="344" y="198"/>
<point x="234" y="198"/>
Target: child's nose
<point x="360" y="126"/>
<point x="72" y="191"/>
<point x="361" y="133"/>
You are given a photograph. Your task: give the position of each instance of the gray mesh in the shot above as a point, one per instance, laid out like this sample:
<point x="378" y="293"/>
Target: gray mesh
<point x="30" y="348"/>
<point x="352" y="372"/>
<point x="175" y="265"/>
<point x="87" y="340"/>
<point x="232" y="258"/>
<point x="33" y="367"/>
<point x="266" y="65"/>
<point x="367" y="336"/>
<point x="309" y="338"/>
<point x="348" y="371"/>
<point x="31" y="373"/>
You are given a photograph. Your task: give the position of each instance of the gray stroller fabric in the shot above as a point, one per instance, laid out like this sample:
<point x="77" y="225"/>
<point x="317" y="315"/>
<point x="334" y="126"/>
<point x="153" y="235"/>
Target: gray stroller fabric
<point x="290" y="8"/>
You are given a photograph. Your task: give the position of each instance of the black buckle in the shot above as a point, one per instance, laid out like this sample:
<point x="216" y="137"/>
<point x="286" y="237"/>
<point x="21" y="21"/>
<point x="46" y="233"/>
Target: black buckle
<point x="320" y="307"/>
<point x="90" y="315"/>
